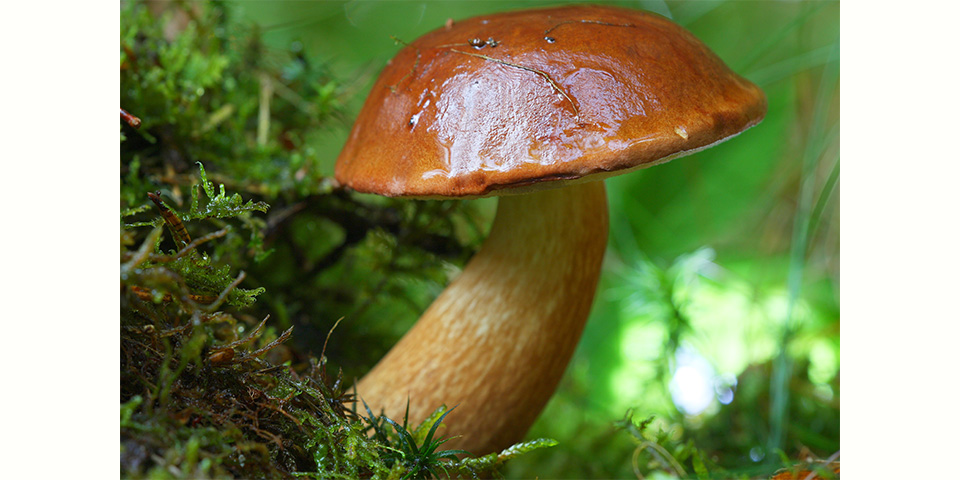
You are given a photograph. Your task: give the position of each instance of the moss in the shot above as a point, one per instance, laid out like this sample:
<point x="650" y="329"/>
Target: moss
<point x="202" y="398"/>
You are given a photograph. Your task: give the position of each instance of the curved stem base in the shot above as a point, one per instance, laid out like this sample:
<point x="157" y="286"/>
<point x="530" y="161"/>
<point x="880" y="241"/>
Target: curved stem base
<point x="496" y="342"/>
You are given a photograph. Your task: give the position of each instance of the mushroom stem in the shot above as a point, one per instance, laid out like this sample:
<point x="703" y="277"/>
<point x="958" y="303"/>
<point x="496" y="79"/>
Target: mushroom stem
<point x="496" y="342"/>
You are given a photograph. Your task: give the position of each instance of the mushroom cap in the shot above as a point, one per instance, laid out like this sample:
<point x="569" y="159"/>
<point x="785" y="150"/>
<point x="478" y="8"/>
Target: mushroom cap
<point x="532" y="99"/>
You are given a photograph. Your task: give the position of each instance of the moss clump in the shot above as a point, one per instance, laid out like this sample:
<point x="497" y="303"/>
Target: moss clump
<point x="202" y="397"/>
<point x="199" y="396"/>
<point x="207" y="89"/>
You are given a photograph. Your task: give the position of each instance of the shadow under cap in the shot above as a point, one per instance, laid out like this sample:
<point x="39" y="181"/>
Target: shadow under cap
<point x="521" y="101"/>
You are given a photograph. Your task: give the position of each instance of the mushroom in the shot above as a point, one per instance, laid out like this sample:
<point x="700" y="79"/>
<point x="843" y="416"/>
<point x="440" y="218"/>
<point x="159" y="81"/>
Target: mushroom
<point x="537" y="107"/>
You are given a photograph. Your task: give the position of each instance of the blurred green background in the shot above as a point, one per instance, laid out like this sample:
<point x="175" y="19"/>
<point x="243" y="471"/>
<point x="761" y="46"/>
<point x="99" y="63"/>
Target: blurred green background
<point x="718" y="310"/>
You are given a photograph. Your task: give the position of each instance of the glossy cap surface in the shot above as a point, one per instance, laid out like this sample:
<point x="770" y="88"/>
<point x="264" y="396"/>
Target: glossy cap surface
<point x="520" y="100"/>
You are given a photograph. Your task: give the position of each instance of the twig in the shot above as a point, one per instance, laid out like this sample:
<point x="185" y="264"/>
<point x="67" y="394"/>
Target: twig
<point x="223" y="295"/>
<point x="180" y="235"/>
<point x="271" y="369"/>
<point x="334" y="327"/>
<point x="204" y="239"/>
<point x="130" y="119"/>
<point x="143" y="252"/>
<point x="263" y="120"/>
<point x="636" y="464"/>
<point x="831" y="458"/>
<point x="270" y="346"/>
<point x="250" y="337"/>
<point x="595" y="22"/>
<point x="416" y="63"/>
<point x="663" y="456"/>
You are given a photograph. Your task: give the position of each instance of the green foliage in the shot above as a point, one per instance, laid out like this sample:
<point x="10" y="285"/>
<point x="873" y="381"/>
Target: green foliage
<point x="211" y="92"/>
<point x="492" y="461"/>
<point x="189" y="274"/>
<point x="219" y="205"/>
<point x="422" y="461"/>
<point x="661" y="452"/>
<point x="416" y="453"/>
<point x="189" y="384"/>
<point x="662" y="294"/>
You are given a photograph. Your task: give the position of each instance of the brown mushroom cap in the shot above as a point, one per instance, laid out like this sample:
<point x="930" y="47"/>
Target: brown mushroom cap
<point x="520" y="100"/>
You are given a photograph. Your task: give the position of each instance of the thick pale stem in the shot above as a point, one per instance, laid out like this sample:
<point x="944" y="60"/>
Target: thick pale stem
<point x="496" y="342"/>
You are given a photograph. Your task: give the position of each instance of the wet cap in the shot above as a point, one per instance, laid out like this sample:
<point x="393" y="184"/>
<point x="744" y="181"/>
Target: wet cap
<point x="518" y="101"/>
